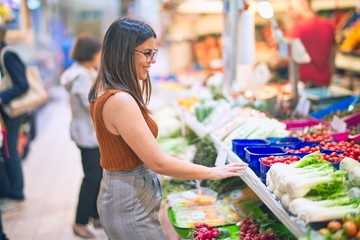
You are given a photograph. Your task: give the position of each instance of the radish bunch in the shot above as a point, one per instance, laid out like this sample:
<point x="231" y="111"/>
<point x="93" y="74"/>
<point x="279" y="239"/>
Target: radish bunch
<point x="250" y="231"/>
<point x="203" y="231"/>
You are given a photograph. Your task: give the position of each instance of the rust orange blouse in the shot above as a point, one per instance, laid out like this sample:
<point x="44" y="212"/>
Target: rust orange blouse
<point x="115" y="154"/>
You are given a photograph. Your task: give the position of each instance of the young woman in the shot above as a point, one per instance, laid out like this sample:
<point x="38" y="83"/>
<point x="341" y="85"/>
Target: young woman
<point x="77" y="80"/>
<point x="130" y="192"/>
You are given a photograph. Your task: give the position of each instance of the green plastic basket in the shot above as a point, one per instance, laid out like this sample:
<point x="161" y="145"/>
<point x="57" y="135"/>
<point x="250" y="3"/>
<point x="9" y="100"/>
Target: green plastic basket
<point x="184" y="232"/>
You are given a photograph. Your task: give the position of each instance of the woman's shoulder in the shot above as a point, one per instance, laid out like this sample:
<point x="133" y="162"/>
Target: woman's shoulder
<point x="121" y="98"/>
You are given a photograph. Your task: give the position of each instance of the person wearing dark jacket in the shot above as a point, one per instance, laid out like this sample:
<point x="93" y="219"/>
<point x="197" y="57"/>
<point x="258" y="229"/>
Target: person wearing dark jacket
<point x="16" y="70"/>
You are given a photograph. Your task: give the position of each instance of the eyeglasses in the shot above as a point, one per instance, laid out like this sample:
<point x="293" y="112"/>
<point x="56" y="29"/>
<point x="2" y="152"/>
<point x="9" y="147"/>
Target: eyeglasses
<point x="149" y="54"/>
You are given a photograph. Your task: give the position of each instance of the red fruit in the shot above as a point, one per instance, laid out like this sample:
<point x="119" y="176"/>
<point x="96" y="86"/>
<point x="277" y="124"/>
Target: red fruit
<point x="215" y="233"/>
<point x="198" y="225"/>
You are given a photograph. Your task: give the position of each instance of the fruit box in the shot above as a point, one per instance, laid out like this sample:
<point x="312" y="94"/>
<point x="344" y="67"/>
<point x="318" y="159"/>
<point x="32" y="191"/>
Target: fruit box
<point x="340" y="105"/>
<point x="194" y="198"/>
<point x="253" y="154"/>
<point x="300" y="123"/>
<point x="284" y="141"/>
<point x="238" y="145"/>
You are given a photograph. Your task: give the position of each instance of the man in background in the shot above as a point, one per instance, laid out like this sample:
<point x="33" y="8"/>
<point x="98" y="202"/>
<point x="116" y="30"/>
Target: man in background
<point x="318" y="37"/>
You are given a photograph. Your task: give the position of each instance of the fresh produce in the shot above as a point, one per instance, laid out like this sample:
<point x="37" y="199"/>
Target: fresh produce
<point x="323" y="210"/>
<point x="348" y="163"/>
<point x="342" y="113"/>
<point x="306" y="149"/>
<point x="348" y="228"/>
<point x="173" y="145"/>
<point x="354" y="177"/>
<point x="311" y="189"/>
<point x="333" y="157"/>
<point x="310" y="175"/>
<point x="205" y="152"/>
<point x="354" y="193"/>
<point x="269" y="161"/>
<point x="316" y="133"/>
<point x="259" y="226"/>
<point x="316" y="137"/>
<point x="204" y="231"/>
<point x="351" y="149"/>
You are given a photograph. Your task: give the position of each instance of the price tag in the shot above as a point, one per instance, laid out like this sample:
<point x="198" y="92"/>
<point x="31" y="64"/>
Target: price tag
<point x="303" y="106"/>
<point x="236" y="194"/>
<point x="338" y="124"/>
<point x="197" y="215"/>
<point x="221" y="157"/>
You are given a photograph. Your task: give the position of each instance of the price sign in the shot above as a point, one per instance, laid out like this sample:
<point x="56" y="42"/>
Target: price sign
<point x="303" y="106"/>
<point x="338" y="124"/>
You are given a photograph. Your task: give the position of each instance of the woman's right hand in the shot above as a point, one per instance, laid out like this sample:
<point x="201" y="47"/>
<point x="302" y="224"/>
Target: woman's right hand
<point x="228" y="170"/>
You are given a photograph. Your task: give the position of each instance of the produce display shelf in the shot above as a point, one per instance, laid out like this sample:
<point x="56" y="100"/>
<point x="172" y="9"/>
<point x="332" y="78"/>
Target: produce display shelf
<point x="296" y="226"/>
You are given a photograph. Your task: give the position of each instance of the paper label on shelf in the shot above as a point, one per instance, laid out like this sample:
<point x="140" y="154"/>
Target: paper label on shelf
<point x="338" y="124"/>
<point x="221" y="157"/>
<point x="303" y="106"/>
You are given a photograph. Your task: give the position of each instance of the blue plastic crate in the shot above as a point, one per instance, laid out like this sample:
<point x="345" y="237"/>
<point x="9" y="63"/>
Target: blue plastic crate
<point x="253" y="154"/>
<point x="238" y="146"/>
<point x="285" y="141"/>
<point x="341" y="105"/>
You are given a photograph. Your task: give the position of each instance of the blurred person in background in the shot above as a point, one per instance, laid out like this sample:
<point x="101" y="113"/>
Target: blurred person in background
<point x="318" y="37"/>
<point x="77" y="80"/>
<point x="17" y="72"/>
<point x="130" y="193"/>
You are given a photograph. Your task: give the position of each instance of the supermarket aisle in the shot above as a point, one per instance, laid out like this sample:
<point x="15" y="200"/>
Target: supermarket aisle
<point x="53" y="175"/>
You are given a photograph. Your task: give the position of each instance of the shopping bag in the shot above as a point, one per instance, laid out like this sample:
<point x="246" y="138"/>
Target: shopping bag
<point x="33" y="98"/>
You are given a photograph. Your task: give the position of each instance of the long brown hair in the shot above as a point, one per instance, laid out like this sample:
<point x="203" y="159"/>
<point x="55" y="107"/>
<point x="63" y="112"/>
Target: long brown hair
<point x="117" y="67"/>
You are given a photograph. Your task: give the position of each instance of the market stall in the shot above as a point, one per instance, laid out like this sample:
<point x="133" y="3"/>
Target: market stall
<point x="215" y="126"/>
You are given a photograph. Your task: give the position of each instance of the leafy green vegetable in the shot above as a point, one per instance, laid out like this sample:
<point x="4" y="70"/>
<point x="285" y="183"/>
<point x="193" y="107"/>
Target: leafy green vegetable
<point x="311" y="159"/>
<point x="206" y="152"/>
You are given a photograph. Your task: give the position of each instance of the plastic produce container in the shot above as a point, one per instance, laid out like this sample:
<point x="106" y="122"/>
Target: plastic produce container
<point x="208" y="215"/>
<point x="184" y="232"/>
<point x="340" y="105"/>
<point x="323" y="97"/>
<point x="301" y="123"/>
<point x="285" y="141"/>
<point x="253" y="154"/>
<point x="238" y="146"/>
<point x="192" y="199"/>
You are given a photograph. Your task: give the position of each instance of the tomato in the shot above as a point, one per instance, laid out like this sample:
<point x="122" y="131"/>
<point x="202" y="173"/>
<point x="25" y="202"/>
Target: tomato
<point x="334" y="226"/>
<point x="350" y="228"/>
